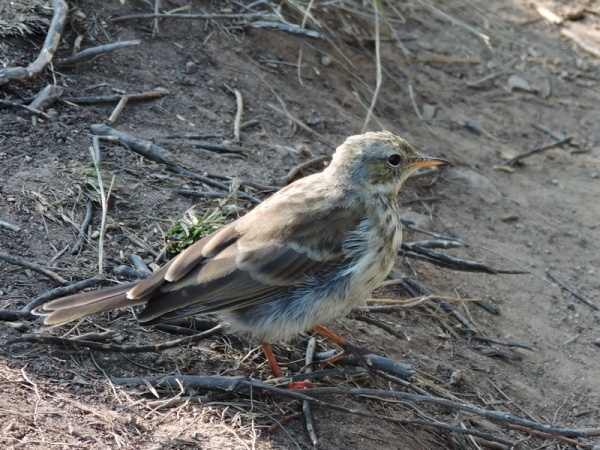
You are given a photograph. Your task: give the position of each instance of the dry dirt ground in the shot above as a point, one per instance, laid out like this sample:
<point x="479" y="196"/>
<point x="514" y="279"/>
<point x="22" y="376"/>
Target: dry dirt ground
<point x="468" y="81"/>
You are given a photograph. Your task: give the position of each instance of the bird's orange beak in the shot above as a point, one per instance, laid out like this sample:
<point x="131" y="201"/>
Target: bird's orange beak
<point x="425" y="161"/>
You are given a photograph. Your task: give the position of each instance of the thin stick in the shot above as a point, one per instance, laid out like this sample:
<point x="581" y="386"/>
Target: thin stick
<point x="61" y="292"/>
<point x="76" y="344"/>
<point x="84" y="225"/>
<point x="551" y="436"/>
<point x="238" y="116"/>
<point x="32" y="266"/>
<point x="301" y="124"/>
<point x="511" y="162"/>
<point x="573" y="292"/>
<point x="161" y="156"/>
<point x="104" y="203"/>
<point x="155" y="93"/>
<point x="378" y="61"/>
<point x="235" y="383"/>
<point x="118" y="109"/>
<point x="28" y="108"/>
<point x="186" y="16"/>
<point x="501" y="342"/>
<point x="300" y="52"/>
<point x="587" y="46"/>
<point x="47" y="97"/>
<point x="310" y="427"/>
<point x="59" y="19"/>
<point x="300" y="167"/>
<point x="9" y="315"/>
<point x="9" y="226"/>
<point x="95" y="51"/>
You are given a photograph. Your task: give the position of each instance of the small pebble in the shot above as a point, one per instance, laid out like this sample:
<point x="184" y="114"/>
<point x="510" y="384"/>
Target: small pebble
<point x="326" y="60"/>
<point x="190" y="67"/>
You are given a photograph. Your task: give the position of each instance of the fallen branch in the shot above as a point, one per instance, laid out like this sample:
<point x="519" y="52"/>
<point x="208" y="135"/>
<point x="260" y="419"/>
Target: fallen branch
<point x="416" y="251"/>
<point x="50" y="46"/>
<point x="573" y="292"/>
<point x="25" y="107"/>
<point x="244" y="385"/>
<point x="156" y="93"/>
<point x="61" y="292"/>
<point x="415" y="288"/>
<point x="186" y="16"/>
<point x="11" y="316"/>
<point x="161" y="156"/>
<point x="300" y="167"/>
<point x="585" y="45"/>
<point x="511" y="162"/>
<point x="411" y="226"/>
<point x="78" y="344"/>
<point x="32" y="266"/>
<point x="220" y="148"/>
<point x="83" y="228"/>
<point x="9" y="226"/>
<point x="292" y="29"/>
<point x="201" y="194"/>
<point x="301" y="124"/>
<point x="95" y="51"/>
<point x="47" y="97"/>
<point x="550" y="436"/>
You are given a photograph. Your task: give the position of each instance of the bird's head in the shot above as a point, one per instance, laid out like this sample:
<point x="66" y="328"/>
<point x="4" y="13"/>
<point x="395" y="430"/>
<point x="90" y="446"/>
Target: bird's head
<point x="379" y="162"/>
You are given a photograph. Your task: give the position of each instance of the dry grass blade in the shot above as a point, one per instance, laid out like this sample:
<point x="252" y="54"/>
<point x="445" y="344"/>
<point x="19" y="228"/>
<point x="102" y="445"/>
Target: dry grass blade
<point x="104" y="196"/>
<point x="376" y="7"/>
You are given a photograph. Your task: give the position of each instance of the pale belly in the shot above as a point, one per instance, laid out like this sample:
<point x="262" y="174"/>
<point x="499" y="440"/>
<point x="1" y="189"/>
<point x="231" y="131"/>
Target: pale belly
<point x="324" y="298"/>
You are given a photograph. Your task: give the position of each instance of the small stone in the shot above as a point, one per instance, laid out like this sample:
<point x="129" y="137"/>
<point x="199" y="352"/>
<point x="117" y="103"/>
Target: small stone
<point x="190" y="67"/>
<point x="326" y="60"/>
<point x="19" y="326"/>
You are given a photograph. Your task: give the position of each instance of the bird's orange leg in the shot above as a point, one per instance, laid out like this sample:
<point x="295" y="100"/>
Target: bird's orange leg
<point x="277" y="370"/>
<point x="271" y="358"/>
<point x="348" y="348"/>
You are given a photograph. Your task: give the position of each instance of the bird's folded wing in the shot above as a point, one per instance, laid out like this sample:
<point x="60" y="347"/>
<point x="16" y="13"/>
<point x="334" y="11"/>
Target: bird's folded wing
<point x="264" y="261"/>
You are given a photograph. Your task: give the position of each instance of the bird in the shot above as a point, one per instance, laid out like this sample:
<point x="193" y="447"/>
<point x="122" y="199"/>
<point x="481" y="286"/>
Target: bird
<point x="305" y="256"/>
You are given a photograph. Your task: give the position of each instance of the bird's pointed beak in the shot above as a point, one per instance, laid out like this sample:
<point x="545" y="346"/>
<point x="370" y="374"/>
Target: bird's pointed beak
<point x="425" y="161"/>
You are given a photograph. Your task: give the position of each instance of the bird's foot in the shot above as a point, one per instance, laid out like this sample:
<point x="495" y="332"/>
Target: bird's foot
<point x="358" y="352"/>
<point x="348" y="348"/>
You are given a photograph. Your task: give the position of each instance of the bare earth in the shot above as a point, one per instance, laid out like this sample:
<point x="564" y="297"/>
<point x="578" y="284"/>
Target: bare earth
<point x="481" y="75"/>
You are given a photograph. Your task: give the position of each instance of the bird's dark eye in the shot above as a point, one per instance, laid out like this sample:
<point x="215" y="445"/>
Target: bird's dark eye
<point x="394" y="159"/>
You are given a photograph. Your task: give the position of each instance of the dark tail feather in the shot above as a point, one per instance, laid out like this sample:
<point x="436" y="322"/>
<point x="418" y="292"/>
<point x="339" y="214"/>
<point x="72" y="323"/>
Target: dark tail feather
<point x="77" y="306"/>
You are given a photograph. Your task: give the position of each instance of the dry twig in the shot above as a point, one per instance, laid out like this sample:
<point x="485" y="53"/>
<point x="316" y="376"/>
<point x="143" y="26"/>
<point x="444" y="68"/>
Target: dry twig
<point x="32" y="266"/>
<point x="84" y="226"/>
<point x="51" y="43"/>
<point x="573" y="292"/>
<point x="9" y="226"/>
<point x="161" y="156"/>
<point x="95" y="51"/>
<point x="511" y="162"/>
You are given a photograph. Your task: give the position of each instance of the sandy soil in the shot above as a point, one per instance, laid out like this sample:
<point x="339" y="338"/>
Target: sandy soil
<point x="473" y="83"/>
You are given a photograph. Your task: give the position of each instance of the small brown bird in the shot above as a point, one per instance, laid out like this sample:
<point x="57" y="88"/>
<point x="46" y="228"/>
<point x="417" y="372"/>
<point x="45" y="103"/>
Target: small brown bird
<point x="305" y="256"/>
